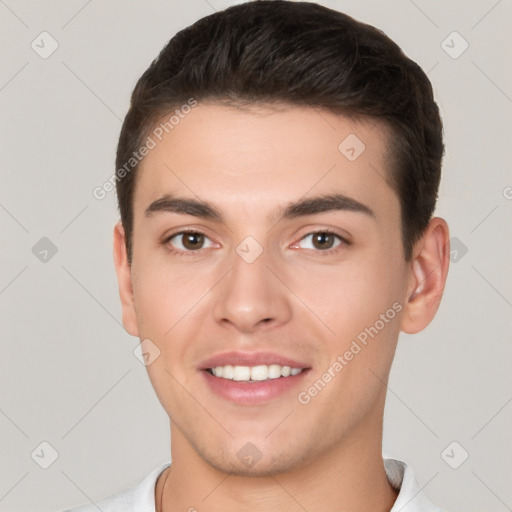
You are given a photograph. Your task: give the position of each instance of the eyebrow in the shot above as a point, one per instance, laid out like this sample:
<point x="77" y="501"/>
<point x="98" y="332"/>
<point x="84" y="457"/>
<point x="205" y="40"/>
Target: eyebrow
<point x="300" y="208"/>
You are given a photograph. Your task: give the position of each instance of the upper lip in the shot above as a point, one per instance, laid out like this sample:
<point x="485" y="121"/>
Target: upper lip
<point x="250" y="359"/>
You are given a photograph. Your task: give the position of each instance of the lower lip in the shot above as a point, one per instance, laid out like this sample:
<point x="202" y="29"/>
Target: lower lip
<point x="252" y="393"/>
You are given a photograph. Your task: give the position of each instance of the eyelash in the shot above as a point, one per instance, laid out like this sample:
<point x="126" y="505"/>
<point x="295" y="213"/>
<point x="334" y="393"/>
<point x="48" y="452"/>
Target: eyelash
<point x="339" y="247"/>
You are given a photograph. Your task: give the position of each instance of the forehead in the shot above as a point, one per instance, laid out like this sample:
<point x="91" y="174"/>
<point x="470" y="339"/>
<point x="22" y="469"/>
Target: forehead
<point x="251" y="160"/>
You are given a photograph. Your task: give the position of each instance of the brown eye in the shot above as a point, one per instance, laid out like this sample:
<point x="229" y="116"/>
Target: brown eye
<point x="323" y="240"/>
<point x="320" y="241"/>
<point x="188" y="241"/>
<point x="193" y="241"/>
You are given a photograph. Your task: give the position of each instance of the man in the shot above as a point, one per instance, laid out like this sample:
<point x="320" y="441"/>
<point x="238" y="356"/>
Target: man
<point x="277" y="173"/>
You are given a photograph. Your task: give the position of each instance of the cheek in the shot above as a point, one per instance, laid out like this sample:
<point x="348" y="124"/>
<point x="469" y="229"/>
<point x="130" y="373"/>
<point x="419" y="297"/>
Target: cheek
<point x="349" y="296"/>
<point x="360" y="302"/>
<point x="165" y="305"/>
<point x="152" y="301"/>
<point x="164" y="295"/>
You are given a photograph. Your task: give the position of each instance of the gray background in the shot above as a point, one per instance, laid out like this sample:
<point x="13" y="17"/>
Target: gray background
<point x="68" y="372"/>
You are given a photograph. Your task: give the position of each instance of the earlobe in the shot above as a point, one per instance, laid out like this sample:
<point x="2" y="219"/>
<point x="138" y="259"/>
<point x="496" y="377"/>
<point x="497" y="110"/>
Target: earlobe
<point x="427" y="277"/>
<point x="124" y="281"/>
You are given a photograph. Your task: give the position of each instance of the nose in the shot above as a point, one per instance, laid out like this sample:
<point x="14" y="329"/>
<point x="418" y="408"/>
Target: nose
<point x="251" y="297"/>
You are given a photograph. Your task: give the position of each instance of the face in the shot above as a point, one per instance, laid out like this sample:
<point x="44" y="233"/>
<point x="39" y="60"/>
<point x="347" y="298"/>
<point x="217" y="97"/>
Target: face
<point x="291" y="256"/>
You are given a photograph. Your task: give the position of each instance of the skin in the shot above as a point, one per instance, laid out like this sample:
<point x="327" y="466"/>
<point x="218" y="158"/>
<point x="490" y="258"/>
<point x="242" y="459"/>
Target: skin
<point x="297" y="298"/>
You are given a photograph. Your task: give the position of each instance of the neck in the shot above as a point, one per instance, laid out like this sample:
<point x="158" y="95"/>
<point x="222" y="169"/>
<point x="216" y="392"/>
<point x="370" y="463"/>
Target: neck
<point x="348" y="476"/>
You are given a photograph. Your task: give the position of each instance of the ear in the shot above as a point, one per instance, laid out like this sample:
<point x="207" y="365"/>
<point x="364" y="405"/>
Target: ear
<point x="427" y="276"/>
<point x="124" y="280"/>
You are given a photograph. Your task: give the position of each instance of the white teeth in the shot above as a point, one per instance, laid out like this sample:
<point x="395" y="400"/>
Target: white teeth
<point x="254" y="373"/>
<point x="241" y="373"/>
<point x="259" y="372"/>
<point x="227" y="371"/>
<point x="274" y="371"/>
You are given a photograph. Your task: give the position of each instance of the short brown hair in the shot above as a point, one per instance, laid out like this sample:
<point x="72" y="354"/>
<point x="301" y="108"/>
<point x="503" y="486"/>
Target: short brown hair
<point x="304" y="54"/>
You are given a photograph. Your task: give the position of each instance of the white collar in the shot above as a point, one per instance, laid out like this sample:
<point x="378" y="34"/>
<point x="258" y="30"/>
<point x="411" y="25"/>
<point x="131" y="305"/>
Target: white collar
<point x="400" y="476"/>
<point x="410" y="497"/>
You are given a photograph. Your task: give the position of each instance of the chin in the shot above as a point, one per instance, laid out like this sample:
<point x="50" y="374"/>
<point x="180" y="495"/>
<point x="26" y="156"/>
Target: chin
<point x="251" y="462"/>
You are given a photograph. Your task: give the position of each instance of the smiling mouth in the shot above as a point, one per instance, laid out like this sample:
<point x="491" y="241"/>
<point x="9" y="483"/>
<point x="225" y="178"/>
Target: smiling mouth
<point x="257" y="373"/>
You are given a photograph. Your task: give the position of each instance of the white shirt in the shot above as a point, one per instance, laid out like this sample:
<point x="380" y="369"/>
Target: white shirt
<point x="141" y="497"/>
